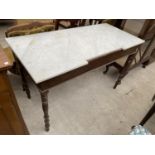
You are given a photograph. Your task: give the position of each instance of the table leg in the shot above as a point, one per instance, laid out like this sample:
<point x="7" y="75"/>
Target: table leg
<point x="125" y="69"/>
<point x="24" y="82"/>
<point x="44" y="99"/>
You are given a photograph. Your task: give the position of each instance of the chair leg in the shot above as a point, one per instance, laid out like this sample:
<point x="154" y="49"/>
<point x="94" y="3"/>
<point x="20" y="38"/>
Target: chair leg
<point x="114" y="64"/>
<point x="125" y="69"/>
<point x="144" y="64"/>
<point x="118" y="82"/>
<point x="148" y="115"/>
<point x="106" y="70"/>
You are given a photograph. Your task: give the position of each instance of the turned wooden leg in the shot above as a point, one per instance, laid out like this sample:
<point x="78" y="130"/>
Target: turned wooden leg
<point x="148" y="115"/>
<point x="44" y="99"/>
<point x="125" y="69"/>
<point x="24" y="82"/>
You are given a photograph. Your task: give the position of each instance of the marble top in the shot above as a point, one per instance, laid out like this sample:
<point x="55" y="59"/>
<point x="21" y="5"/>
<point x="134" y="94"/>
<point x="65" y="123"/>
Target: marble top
<point x="50" y="54"/>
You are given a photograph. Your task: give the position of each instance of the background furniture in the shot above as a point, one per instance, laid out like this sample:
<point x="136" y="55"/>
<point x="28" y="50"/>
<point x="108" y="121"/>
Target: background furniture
<point x="77" y="51"/>
<point x="95" y="21"/>
<point x="119" y="23"/>
<point x="139" y="129"/>
<point x="11" y="121"/>
<point x="148" y="34"/>
<point x="7" y="21"/>
<point x="69" y="23"/>
<point x="149" y="113"/>
<point x="30" y="28"/>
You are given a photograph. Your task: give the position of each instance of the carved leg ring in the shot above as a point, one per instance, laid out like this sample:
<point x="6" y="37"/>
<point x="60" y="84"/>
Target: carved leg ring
<point x="44" y="99"/>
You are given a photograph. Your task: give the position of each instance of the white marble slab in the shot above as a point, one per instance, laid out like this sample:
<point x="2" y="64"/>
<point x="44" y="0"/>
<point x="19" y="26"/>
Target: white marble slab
<point x="47" y="55"/>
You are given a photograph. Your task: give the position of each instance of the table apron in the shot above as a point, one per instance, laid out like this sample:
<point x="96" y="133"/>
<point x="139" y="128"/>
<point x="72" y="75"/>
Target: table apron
<point x="92" y="64"/>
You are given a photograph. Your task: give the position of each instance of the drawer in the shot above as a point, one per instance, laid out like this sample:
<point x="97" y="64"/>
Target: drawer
<point x="3" y="83"/>
<point x="5" y="128"/>
<point x="7" y="114"/>
<point x="10" y="116"/>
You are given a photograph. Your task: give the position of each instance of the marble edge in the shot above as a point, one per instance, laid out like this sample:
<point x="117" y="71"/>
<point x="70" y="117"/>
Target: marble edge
<point x="100" y="55"/>
<point x="142" y="42"/>
<point x="66" y="71"/>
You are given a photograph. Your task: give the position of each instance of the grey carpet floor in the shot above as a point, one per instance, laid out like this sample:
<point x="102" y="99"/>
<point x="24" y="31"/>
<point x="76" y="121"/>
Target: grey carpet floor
<point x="88" y="105"/>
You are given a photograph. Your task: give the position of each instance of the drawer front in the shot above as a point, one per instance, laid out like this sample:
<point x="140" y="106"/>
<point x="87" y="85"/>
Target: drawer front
<point x="3" y="83"/>
<point x="5" y="128"/>
<point x="9" y="115"/>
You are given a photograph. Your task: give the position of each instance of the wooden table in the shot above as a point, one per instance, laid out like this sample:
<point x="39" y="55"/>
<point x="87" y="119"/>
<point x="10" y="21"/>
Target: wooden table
<point x="11" y="121"/>
<point x="54" y="57"/>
